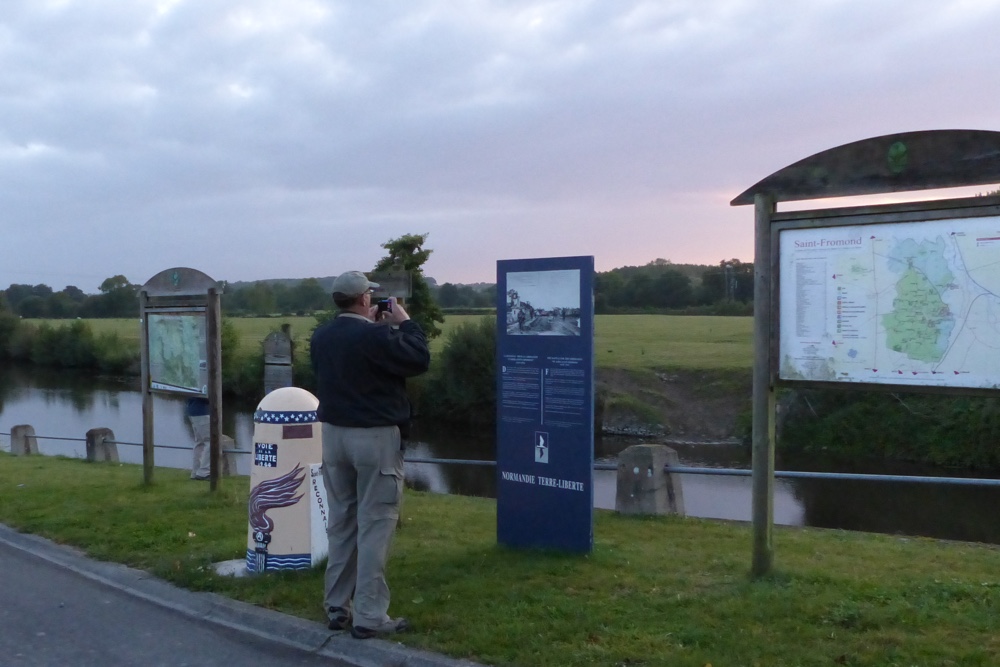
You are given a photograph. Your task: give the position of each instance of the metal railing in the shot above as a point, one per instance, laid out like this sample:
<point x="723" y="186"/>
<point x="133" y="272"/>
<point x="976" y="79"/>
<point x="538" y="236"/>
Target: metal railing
<point x="745" y="472"/>
<point x="135" y="444"/>
<point x="682" y="470"/>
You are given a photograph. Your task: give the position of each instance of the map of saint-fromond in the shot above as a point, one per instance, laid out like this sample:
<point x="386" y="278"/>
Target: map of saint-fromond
<point x="177" y="353"/>
<point x="915" y="303"/>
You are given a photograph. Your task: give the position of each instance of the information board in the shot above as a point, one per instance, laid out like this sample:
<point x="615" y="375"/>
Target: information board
<point x="178" y="353"/>
<point x="901" y="303"/>
<point x="545" y="403"/>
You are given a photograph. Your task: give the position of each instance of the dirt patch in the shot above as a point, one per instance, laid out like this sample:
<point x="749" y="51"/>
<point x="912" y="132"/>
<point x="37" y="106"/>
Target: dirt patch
<point x="696" y="406"/>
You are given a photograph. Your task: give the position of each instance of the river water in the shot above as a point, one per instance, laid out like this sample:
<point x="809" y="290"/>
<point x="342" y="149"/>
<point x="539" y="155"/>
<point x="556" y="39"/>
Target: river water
<point x="63" y="406"/>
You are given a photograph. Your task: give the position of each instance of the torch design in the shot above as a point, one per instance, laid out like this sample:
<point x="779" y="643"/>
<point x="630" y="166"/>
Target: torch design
<point x="269" y="494"/>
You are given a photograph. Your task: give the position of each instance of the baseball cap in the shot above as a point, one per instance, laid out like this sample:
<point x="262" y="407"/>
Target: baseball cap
<point x="352" y="283"/>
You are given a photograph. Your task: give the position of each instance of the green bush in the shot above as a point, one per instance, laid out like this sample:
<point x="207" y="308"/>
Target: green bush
<point x="462" y="388"/>
<point x="9" y="325"/>
<point x="242" y="372"/>
<point x="64" y="347"/>
<point x="956" y="431"/>
<point x="115" y="356"/>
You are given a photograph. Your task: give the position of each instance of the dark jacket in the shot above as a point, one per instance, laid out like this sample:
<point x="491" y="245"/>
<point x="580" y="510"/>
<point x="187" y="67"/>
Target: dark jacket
<point x="361" y="370"/>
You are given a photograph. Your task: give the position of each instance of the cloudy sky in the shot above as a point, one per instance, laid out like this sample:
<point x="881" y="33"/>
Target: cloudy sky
<point x="290" y="138"/>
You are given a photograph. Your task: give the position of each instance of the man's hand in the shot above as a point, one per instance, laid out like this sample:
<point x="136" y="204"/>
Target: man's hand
<point x="395" y="315"/>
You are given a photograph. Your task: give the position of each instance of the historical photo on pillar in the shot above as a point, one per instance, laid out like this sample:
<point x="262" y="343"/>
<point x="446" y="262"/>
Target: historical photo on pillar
<point x="543" y="303"/>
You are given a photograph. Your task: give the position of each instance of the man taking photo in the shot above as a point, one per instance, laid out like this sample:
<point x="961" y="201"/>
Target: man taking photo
<point x="361" y="359"/>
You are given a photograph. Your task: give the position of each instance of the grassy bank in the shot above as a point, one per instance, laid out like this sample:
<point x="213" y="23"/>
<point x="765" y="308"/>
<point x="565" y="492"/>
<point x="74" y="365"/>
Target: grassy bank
<point x="655" y="591"/>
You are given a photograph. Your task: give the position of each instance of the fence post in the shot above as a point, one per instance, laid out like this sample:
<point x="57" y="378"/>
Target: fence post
<point x="22" y="440"/>
<point x="644" y="486"/>
<point x="101" y="445"/>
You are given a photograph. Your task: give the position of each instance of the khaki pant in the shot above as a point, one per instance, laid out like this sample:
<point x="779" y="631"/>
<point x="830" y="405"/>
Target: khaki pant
<point x="363" y="475"/>
<point x="201" y="462"/>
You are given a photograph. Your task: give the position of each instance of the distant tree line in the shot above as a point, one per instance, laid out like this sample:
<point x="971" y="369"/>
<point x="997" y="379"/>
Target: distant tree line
<point x="657" y="286"/>
<point x="264" y="298"/>
<point x="120" y="298"/>
<point x="117" y="298"/>
<point x="450" y="295"/>
<point x="662" y="285"/>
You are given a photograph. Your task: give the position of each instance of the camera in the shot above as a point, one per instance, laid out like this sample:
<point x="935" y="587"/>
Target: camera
<point x="384" y="305"/>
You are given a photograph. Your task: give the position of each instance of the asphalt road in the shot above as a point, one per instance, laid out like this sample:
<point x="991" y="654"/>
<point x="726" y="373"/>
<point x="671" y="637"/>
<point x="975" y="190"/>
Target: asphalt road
<point x="58" y="607"/>
<point x="50" y="616"/>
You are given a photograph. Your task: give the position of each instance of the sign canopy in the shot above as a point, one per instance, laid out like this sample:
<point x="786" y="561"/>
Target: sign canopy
<point x="179" y="281"/>
<point x="924" y="160"/>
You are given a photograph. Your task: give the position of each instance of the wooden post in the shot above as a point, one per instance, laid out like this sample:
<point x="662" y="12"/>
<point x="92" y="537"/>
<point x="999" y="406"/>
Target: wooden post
<point x="214" y="344"/>
<point x="763" y="392"/>
<point x="148" y="456"/>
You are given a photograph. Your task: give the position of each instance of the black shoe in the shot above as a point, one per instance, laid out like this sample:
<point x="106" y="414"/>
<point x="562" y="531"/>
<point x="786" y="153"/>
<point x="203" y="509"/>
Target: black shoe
<point x="390" y="627"/>
<point x="340" y="618"/>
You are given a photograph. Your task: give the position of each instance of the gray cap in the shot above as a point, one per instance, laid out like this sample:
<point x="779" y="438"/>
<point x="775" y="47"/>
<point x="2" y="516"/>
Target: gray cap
<point x="352" y="283"/>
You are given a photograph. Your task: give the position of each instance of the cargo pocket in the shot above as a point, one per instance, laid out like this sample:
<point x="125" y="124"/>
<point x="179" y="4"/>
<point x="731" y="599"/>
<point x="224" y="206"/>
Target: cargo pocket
<point x="388" y="493"/>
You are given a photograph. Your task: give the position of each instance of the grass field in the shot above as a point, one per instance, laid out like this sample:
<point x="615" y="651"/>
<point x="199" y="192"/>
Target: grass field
<point x="654" y="590"/>
<point x="621" y="341"/>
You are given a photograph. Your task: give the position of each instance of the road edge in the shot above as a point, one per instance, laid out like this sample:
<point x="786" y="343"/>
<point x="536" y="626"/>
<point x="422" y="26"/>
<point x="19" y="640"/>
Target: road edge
<point x="266" y="624"/>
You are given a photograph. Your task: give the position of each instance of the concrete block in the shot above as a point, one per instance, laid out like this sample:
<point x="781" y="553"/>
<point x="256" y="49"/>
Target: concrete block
<point x="644" y="487"/>
<point x="101" y="445"/>
<point x="23" y="441"/>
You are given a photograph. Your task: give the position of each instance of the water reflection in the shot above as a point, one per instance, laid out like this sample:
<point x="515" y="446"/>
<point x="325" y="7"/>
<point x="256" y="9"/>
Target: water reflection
<point x="946" y="511"/>
<point x="67" y="405"/>
<point x="466" y="480"/>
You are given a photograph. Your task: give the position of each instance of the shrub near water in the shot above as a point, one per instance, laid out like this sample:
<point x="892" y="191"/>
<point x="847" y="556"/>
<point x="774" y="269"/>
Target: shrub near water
<point x="70" y="346"/>
<point x="958" y="431"/>
<point x="463" y="385"/>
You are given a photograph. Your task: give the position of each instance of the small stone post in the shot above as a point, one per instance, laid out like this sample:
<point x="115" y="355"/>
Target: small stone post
<point x="22" y="440"/>
<point x="101" y="445"/>
<point x="277" y="361"/>
<point x="644" y="487"/>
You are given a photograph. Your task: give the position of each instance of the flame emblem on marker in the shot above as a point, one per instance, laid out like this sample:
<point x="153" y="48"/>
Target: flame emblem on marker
<point x="271" y="494"/>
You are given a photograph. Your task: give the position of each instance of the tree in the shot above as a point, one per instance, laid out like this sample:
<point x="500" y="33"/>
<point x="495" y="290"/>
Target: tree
<point x="259" y="299"/>
<point x="732" y="280"/>
<point x="407" y="253"/>
<point x="60" y="305"/>
<point x="118" y="298"/>
<point x="609" y="288"/>
<point x="16" y="294"/>
<point x="448" y="296"/>
<point x="672" y="289"/>
<point x="114" y="283"/>
<point x="33" y="307"/>
<point x="74" y="294"/>
<point x="308" y="296"/>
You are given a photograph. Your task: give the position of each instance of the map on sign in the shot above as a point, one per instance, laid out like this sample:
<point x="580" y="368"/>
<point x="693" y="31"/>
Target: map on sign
<point x="177" y="353"/>
<point x="910" y="303"/>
